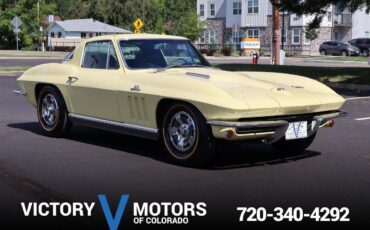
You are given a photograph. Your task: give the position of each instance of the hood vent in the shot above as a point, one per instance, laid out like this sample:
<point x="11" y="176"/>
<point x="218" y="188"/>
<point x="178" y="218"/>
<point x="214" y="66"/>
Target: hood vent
<point x="197" y="75"/>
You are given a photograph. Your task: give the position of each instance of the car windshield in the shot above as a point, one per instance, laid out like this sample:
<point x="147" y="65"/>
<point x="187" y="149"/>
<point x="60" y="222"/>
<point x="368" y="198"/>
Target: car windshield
<point x="160" y="53"/>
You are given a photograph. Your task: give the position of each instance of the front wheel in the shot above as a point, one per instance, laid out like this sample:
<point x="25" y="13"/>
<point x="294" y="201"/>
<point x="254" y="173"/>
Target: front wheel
<point x="52" y="112"/>
<point x="293" y="146"/>
<point x="344" y="53"/>
<point x="186" y="136"/>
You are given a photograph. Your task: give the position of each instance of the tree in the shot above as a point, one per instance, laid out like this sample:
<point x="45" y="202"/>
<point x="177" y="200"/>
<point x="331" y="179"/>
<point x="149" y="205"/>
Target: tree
<point x="320" y="8"/>
<point x="311" y="34"/>
<point x="27" y="11"/>
<point x="189" y="26"/>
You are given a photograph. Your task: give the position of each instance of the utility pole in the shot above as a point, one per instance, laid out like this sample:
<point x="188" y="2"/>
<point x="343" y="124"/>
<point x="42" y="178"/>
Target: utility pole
<point x="143" y="13"/>
<point x="38" y="22"/>
<point x="276" y="35"/>
<point x="283" y="32"/>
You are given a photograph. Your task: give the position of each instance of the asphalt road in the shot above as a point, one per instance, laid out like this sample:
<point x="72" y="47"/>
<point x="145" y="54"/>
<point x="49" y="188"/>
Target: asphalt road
<point x="334" y="172"/>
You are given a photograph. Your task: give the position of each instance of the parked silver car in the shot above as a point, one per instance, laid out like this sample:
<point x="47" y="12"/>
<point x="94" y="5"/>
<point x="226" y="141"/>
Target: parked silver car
<point x="338" y="48"/>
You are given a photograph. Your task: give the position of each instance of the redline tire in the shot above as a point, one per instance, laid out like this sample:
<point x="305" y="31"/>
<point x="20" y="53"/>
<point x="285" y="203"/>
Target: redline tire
<point x="193" y="153"/>
<point x="52" y="112"/>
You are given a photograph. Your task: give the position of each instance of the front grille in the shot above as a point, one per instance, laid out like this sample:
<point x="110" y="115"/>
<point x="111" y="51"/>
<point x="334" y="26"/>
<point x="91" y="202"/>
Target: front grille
<point x="289" y="118"/>
<point x="242" y="130"/>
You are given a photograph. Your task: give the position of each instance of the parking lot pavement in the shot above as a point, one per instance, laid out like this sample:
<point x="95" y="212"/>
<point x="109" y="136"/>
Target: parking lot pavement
<point x="334" y="172"/>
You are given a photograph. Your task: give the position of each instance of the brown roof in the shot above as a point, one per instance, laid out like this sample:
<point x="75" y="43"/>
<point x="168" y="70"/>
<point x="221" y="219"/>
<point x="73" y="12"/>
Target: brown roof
<point x="46" y="23"/>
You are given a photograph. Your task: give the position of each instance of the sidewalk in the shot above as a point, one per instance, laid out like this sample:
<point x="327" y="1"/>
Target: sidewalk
<point x="13" y="54"/>
<point x="294" y="61"/>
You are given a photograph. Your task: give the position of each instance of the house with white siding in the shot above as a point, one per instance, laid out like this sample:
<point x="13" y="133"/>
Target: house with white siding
<point x="69" y="33"/>
<point x="228" y="21"/>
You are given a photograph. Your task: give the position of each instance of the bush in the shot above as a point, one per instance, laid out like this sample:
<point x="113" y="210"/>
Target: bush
<point x="26" y="40"/>
<point x="29" y="48"/>
<point x="235" y="53"/>
<point x="288" y="53"/>
<point x="211" y="52"/>
<point x="226" y="51"/>
<point x="218" y="54"/>
<point x="203" y="51"/>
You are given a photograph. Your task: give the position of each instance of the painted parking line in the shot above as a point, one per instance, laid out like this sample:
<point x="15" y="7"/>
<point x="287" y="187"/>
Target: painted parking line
<point x="356" y="98"/>
<point x="362" y="119"/>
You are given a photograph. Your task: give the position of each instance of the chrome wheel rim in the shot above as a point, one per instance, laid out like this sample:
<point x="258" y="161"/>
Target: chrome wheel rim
<point x="182" y="131"/>
<point x="49" y="110"/>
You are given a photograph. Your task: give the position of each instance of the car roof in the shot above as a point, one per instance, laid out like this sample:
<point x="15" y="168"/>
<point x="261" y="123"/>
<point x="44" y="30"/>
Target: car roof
<point x="134" y="37"/>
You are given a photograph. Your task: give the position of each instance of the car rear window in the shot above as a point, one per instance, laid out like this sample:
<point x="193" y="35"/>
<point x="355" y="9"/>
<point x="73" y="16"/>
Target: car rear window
<point x="100" y="55"/>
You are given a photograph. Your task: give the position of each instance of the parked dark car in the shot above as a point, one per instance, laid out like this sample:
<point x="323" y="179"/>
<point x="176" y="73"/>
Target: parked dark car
<point x="338" y="48"/>
<point x="363" y="44"/>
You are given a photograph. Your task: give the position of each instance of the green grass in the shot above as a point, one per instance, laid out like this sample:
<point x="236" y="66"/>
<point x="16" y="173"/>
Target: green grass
<point x="323" y="74"/>
<point x="14" y="69"/>
<point x="340" y="58"/>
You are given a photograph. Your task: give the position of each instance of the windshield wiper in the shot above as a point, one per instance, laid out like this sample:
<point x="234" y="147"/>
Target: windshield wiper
<point x="167" y="67"/>
<point x="176" y="66"/>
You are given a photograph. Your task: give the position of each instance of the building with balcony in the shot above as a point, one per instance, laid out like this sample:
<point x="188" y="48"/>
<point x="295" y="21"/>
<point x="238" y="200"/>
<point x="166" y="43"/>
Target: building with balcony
<point x="228" y="21"/>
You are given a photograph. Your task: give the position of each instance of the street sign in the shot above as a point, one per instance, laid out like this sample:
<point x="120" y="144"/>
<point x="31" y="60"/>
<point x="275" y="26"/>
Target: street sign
<point x="137" y="31"/>
<point x="138" y="24"/>
<point x="16" y="22"/>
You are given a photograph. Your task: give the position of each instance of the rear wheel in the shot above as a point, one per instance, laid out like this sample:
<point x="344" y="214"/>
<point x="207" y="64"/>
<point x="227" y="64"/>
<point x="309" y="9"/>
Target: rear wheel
<point x="52" y="112"/>
<point x="323" y="52"/>
<point x="293" y="146"/>
<point x="344" y="53"/>
<point x="186" y="136"/>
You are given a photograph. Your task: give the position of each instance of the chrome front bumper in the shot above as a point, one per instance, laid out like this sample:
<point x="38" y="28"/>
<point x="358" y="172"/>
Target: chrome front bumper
<point x="269" y="129"/>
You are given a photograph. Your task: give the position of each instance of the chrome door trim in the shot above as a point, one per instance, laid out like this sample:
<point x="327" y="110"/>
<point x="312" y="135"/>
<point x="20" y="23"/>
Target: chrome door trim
<point x="119" y="127"/>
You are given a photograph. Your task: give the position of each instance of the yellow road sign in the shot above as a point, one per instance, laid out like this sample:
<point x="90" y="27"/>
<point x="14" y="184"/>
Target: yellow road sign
<point x="137" y="31"/>
<point x="138" y="24"/>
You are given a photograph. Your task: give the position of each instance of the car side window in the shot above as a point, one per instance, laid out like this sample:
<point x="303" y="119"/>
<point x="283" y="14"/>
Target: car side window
<point x="100" y="55"/>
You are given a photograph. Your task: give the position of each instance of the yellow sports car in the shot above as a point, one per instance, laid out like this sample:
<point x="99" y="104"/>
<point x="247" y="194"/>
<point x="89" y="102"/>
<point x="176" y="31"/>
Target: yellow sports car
<point x="161" y="87"/>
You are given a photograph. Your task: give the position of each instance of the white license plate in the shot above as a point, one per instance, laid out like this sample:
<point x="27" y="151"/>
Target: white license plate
<point x="296" y="130"/>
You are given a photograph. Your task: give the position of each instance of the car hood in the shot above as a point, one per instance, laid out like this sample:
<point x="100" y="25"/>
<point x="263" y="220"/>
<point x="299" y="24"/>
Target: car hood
<point x="262" y="91"/>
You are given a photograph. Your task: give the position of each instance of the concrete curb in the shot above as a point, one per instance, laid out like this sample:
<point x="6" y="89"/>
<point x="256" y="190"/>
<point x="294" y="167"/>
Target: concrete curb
<point x="338" y="62"/>
<point x="11" y="74"/>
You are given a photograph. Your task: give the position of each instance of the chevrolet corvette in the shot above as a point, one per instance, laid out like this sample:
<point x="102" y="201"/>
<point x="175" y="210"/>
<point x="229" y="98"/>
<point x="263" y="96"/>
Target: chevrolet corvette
<point x="160" y="87"/>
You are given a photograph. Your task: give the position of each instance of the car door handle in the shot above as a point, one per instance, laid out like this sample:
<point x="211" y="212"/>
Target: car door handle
<point x="72" y="80"/>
